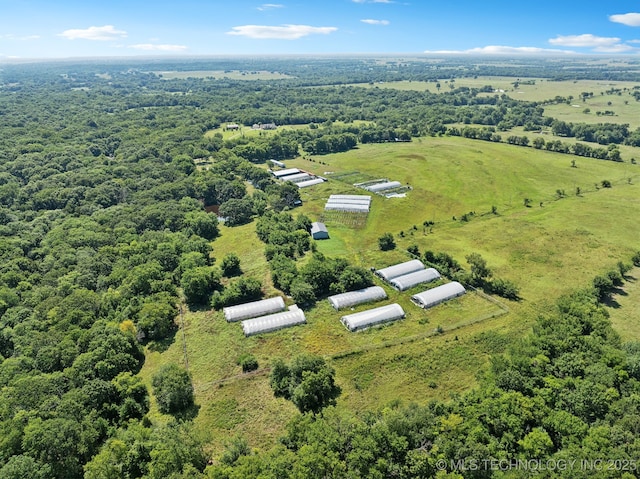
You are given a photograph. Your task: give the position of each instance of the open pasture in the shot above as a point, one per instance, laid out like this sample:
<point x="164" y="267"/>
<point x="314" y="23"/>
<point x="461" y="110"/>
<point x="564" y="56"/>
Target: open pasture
<point x="527" y="89"/>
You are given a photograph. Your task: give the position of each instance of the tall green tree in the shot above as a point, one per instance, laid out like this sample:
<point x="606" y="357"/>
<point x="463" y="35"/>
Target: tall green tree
<point x="308" y="381"/>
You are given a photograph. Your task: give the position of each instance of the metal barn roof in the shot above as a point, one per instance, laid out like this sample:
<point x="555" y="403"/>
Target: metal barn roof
<point x="371" y="317"/>
<point x="359" y="296"/>
<point x="319" y="231"/>
<point x="273" y="322"/>
<point x="253" y="309"/>
<point x="407" y="281"/>
<point x="396" y="270"/>
<point x="434" y="296"/>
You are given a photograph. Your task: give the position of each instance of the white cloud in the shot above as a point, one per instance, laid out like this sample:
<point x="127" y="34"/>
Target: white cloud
<point x="11" y="36"/>
<point x="269" y="6"/>
<point x="618" y="48"/>
<point x="584" y="40"/>
<point x="500" y="50"/>
<point x="158" y="47"/>
<point x="629" y="19"/>
<point x="284" y="32"/>
<point x="370" y="21"/>
<point x="107" y="32"/>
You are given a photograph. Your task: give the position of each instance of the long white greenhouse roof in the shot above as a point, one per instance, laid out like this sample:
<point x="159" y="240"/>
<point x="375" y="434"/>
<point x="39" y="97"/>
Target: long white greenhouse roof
<point x="371" y="317"/>
<point x="359" y="296"/>
<point x="434" y="296"/>
<point x="297" y="177"/>
<point x="407" y="281"/>
<point x="387" y="185"/>
<point x="285" y="172"/>
<point x="253" y="309"/>
<point x="349" y="201"/>
<point x="396" y="270"/>
<point x="346" y="207"/>
<point x="273" y="322"/>
<point x="350" y="197"/>
<point x="315" y="181"/>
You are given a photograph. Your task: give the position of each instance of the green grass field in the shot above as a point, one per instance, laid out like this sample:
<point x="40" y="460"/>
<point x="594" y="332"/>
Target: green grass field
<point x="625" y="108"/>
<point x="547" y="249"/>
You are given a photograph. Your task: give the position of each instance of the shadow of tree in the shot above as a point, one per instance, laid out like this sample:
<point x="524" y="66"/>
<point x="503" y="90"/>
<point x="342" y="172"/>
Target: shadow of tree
<point x="188" y="414"/>
<point x="161" y="345"/>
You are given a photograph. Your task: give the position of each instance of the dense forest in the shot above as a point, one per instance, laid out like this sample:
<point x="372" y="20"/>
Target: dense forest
<point x="104" y="238"/>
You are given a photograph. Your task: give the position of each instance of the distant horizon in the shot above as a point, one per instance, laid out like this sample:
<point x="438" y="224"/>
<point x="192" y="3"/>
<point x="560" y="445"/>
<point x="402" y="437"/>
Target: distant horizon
<point x="74" y="29"/>
<point x="398" y="55"/>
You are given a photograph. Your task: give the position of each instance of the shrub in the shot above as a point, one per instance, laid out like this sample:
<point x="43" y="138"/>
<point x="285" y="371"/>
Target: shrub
<point x="173" y="389"/>
<point x="386" y="242"/>
<point x="248" y="362"/>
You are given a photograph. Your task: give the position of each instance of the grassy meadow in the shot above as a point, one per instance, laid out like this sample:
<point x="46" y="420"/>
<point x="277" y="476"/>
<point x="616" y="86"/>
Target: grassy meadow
<point x="624" y="107"/>
<point x="552" y="247"/>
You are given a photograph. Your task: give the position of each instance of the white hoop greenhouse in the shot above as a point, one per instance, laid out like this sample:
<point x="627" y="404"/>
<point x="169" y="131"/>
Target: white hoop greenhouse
<point x="399" y="269"/>
<point x="431" y="297"/>
<point x="387" y="185"/>
<point x="273" y="322"/>
<point x="315" y="181"/>
<point x="372" y="317"/>
<point x="352" y="298"/>
<point x="408" y="281"/>
<point x="253" y="309"/>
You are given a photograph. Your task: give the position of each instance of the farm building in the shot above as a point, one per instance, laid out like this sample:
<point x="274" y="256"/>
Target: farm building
<point x="387" y="185"/>
<point x="253" y="309"/>
<point x="359" y="296"/>
<point x="438" y="295"/>
<point x="372" y="317"/>
<point x="407" y="281"/>
<point x="400" y="269"/>
<point x="315" y="181"/>
<point x="285" y="172"/>
<point x="298" y="177"/>
<point x="273" y="322"/>
<point x="319" y="231"/>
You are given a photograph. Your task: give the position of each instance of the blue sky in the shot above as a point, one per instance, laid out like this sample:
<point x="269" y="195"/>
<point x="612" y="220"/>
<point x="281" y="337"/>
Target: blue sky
<point x="91" y="28"/>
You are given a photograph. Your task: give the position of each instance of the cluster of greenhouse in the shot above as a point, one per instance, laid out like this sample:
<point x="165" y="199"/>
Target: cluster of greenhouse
<point x="301" y="178"/>
<point x="359" y="296"/>
<point x="253" y="309"/>
<point x="373" y="317"/>
<point x="440" y="294"/>
<point x="273" y="322"/>
<point x="352" y="203"/>
<point x="408" y="281"/>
